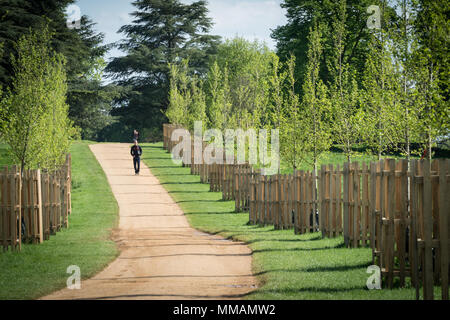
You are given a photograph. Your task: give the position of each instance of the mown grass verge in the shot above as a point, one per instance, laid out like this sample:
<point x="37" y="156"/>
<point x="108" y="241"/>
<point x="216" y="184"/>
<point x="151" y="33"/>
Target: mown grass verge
<point x="288" y="266"/>
<point x="41" y="269"/>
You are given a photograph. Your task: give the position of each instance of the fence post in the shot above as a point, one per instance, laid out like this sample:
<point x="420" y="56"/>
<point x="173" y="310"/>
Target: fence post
<point x="330" y="189"/>
<point x="428" y="231"/>
<point x="346" y="203"/>
<point x="444" y="209"/>
<point x="321" y="204"/>
<point x="390" y="226"/>
<point x="364" y="204"/>
<point x="356" y="205"/>
<point x="295" y="201"/>
<point x="17" y="210"/>
<point x="39" y="194"/>
<point x="338" y="192"/>
<point x="414" y="228"/>
<point x="373" y="209"/>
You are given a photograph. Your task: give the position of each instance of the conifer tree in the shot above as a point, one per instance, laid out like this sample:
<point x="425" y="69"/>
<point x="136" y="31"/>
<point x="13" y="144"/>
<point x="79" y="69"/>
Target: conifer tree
<point x="161" y="33"/>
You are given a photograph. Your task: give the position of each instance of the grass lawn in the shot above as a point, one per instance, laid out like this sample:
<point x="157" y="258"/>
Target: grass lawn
<point x="288" y="266"/>
<point x="41" y="269"/>
<point x="337" y="158"/>
<point x="5" y="156"/>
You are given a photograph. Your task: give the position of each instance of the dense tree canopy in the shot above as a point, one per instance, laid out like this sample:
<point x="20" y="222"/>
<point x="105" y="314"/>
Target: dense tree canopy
<point x="162" y="32"/>
<point x="333" y="80"/>
<point x="301" y="15"/>
<point x="82" y="48"/>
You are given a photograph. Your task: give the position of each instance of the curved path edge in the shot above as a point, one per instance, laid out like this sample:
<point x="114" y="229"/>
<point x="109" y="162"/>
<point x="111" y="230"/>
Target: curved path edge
<point x="161" y="255"/>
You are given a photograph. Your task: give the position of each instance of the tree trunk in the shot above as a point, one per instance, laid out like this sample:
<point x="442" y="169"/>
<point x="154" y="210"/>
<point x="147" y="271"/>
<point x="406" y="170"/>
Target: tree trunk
<point x="429" y="149"/>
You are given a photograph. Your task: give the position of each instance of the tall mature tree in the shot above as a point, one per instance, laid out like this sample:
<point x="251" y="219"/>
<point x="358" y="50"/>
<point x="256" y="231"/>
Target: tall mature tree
<point x="79" y="46"/>
<point x="82" y="48"/>
<point x="303" y="14"/>
<point x="17" y="16"/>
<point x="89" y="99"/>
<point x="162" y="33"/>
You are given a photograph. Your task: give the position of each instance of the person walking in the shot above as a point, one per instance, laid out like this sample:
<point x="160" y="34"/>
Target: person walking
<point x="136" y="152"/>
<point x="135" y="135"/>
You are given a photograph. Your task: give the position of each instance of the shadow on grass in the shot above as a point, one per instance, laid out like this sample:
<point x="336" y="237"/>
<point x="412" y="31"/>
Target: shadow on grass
<point x="160" y="167"/>
<point x="308" y="289"/>
<point x="319" y="269"/>
<point x="213" y="201"/>
<point x="177" y="174"/>
<point x="207" y="213"/>
<point x="205" y="192"/>
<point x="181" y="182"/>
<point x="339" y="246"/>
<point x="285" y="240"/>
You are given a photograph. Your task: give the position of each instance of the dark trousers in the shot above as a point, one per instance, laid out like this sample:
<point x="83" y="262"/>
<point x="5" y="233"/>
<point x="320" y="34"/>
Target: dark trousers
<point x="137" y="164"/>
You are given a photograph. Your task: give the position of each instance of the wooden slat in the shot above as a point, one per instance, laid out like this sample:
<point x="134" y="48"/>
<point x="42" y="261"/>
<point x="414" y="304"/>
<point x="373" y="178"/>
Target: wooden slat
<point x="365" y="206"/>
<point x="444" y="208"/>
<point x="6" y="202"/>
<point x="308" y="208"/>
<point x="329" y="194"/>
<point x="314" y="198"/>
<point x="413" y="242"/>
<point x="33" y="202"/>
<point x="39" y="201"/>
<point x="390" y="237"/>
<point x="356" y="207"/>
<point x="12" y="215"/>
<point x="428" y="230"/>
<point x="402" y="199"/>
<point x="346" y="203"/>
<point x="338" y="201"/>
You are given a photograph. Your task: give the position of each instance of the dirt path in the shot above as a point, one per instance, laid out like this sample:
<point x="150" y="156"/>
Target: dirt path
<point x="161" y="257"/>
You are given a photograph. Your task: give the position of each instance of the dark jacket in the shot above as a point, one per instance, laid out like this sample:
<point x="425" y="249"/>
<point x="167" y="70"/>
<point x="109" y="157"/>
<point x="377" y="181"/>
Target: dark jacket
<point x="136" y="151"/>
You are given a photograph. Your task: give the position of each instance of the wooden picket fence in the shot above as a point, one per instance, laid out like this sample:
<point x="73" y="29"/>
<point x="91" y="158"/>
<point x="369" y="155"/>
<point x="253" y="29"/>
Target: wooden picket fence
<point x="344" y="203"/>
<point x="34" y="204"/>
<point x="430" y="207"/>
<point x="401" y="213"/>
<point x="168" y="129"/>
<point x="10" y="209"/>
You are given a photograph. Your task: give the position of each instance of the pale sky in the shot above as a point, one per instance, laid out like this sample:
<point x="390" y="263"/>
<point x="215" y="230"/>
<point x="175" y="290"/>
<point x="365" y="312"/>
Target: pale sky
<point x="251" y="19"/>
